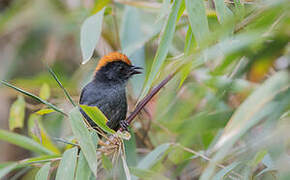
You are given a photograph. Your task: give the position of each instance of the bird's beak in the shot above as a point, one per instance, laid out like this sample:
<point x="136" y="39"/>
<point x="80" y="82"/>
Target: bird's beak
<point x="134" y="70"/>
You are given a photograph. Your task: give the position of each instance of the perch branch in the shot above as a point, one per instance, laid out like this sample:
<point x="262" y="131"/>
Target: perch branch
<point x="146" y="99"/>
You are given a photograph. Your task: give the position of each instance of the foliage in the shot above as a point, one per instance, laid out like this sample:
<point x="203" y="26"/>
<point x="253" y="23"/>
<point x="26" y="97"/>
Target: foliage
<point x="223" y="115"/>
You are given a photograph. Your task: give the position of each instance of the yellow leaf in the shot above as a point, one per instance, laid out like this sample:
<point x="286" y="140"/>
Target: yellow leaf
<point x="17" y="113"/>
<point x="44" y="91"/>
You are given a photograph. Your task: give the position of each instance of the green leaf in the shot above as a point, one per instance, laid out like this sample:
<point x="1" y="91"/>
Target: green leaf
<point x="39" y="159"/>
<point x="247" y="115"/>
<point x="83" y="169"/>
<point x="223" y="172"/>
<point x="163" y="47"/>
<point x="125" y="166"/>
<point x="44" y="92"/>
<point x="107" y="164"/>
<point x="84" y="138"/>
<point x="34" y="97"/>
<point x="131" y="33"/>
<point x="198" y="19"/>
<point x="130" y="149"/>
<point x="67" y="165"/>
<point x="7" y="167"/>
<point x="43" y="172"/>
<point x="38" y="133"/>
<point x="23" y="142"/>
<point x="223" y="12"/>
<point x="90" y="34"/>
<point x="44" y="111"/>
<point x="98" y="117"/>
<point x="260" y="105"/>
<point x="153" y="157"/>
<point x="147" y="174"/>
<point x="258" y="158"/>
<point x="60" y="85"/>
<point x="5" y="170"/>
<point x="17" y="113"/>
<point x="188" y="49"/>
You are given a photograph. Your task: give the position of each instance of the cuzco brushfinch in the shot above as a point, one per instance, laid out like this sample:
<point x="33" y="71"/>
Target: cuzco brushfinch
<point x="107" y="90"/>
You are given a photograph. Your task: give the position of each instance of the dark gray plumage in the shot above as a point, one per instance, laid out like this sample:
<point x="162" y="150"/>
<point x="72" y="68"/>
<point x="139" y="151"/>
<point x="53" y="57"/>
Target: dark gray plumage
<point x="107" y="91"/>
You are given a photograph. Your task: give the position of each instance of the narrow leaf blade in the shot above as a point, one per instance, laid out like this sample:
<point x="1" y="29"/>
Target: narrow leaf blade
<point x="43" y="172"/>
<point x="83" y="169"/>
<point x="198" y="19"/>
<point x="67" y="165"/>
<point x="23" y="142"/>
<point x="90" y="34"/>
<point x="84" y="138"/>
<point x="33" y="97"/>
<point x="163" y="47"/>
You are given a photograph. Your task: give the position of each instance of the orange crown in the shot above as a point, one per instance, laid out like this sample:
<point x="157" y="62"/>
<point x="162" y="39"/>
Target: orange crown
<point x="112" y="57"/>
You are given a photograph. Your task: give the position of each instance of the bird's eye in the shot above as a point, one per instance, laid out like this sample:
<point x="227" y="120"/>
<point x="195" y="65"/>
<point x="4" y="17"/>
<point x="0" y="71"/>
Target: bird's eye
<point x="121" y="68"/>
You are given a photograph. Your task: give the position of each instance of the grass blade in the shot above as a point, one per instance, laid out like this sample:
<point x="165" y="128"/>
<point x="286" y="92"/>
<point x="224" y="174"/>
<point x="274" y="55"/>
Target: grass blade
<point x="163" y="47"/>
<point x="83" y="169"/>
<point x="153" y="157"/>
<point x="260" y="105"/>
<point x="223" y="11"/>
<point x="198" y="19"/>
<point x="33" y="97"/>
<point x="66" y="168"/>
<point x="23" y="142"/>
<point x="61" y="86"/>
<point x="84" y="138"/>
<point x="43" y="173"/>
<point x="7" y="169"/>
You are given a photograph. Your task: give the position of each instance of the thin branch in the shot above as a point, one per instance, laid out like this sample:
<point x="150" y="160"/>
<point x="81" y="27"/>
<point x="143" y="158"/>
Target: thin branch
<point x="144" y="101"/>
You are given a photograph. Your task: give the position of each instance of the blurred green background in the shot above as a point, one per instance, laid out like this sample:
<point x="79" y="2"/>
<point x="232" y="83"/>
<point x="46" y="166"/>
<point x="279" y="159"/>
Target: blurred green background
<point x="223" y="115"/>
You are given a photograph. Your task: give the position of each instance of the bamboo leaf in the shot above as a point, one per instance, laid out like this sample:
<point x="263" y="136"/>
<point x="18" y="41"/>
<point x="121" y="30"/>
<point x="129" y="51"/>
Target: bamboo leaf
<point x="66" y="168"/>
<point x="198" y="19"/>
<point x="90" y="34"/>
<point x="163" y="47"/>
<point x="223" y="172"/>
<point x="98" y="117"/>
<point x="33" y="97"/>
<point x="38" y="133"/>
<point x="17" y="113"/>
<point x="23" y="142"/>
<point x="153" y="157"/>
<point x="44" y="91"/>
<point x="84" y="138"/>
<point x="260" y="105"/>
<point x="223" y="12"/>
<point x="5" y="170"/>
<point x="43" y="172"/>
<point x="44" y="111"/>
<point x="83" y="169"/>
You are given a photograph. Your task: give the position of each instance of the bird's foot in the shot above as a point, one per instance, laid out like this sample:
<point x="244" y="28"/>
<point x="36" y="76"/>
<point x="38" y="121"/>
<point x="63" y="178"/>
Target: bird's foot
<point x="124" y="125"/>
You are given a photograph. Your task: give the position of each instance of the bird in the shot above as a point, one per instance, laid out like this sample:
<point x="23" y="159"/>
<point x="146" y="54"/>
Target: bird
<point x="107" y="89"/>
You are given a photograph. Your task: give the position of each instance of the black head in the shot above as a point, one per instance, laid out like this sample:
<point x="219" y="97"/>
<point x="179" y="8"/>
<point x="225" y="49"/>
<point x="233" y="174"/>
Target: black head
<point x="117" y="71"/>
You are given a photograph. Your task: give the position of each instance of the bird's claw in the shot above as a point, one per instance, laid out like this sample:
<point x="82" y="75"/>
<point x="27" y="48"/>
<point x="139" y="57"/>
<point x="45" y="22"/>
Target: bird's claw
<point x="124" y="125"/>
